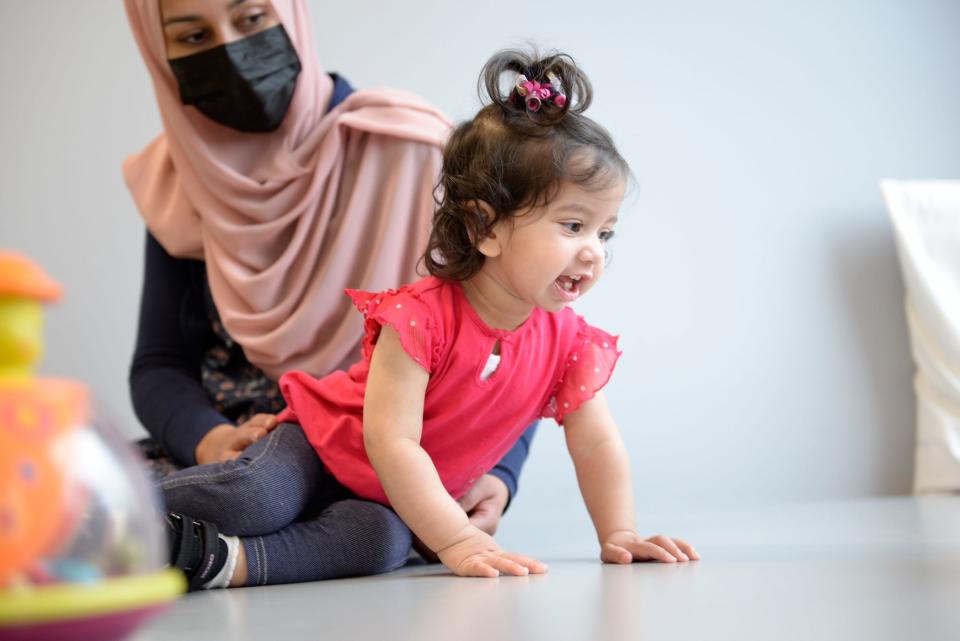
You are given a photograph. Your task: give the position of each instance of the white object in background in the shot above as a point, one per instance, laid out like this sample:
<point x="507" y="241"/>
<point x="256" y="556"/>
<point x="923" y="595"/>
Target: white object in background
<point x="926" y="221"/>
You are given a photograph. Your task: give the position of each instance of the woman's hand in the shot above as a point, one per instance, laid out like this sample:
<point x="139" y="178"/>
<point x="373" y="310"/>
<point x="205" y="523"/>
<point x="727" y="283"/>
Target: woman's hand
<point x="485" y="501"/>
<point x="626" y="546"/>
<point x="475" y="553"/>
<point x="226" y="442"/>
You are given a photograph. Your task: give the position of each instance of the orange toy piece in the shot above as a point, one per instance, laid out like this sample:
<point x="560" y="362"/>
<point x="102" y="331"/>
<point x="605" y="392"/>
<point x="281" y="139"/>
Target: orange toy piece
<point x="22" y="278"/>
<point x="36" y="421"/>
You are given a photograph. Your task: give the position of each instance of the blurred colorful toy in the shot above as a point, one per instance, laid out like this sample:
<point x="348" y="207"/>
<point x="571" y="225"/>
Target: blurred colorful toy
<point x="81" y="546"/>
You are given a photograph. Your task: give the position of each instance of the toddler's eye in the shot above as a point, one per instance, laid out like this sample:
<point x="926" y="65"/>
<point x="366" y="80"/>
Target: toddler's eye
<point x="606" y="235"/>
<point x="574" y="227"/>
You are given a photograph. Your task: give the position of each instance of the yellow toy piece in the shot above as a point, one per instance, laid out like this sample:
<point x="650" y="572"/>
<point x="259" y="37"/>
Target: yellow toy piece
<point x="23" y="286"/>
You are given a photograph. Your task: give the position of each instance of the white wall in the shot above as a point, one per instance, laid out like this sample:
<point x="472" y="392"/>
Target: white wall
<point x="754" y="282"/>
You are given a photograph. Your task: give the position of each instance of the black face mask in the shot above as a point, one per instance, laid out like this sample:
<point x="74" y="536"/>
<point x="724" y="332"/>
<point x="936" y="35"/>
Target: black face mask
<point x="246" y="84"/>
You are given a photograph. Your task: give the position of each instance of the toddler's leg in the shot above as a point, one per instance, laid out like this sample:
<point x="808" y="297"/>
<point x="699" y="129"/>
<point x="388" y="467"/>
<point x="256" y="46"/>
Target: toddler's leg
<point x="260" y="492"/>
<point x="348" y="538"/>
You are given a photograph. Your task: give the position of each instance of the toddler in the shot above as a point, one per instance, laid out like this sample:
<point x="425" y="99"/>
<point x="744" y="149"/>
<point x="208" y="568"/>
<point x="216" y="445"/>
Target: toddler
<point x="455" y="366"/>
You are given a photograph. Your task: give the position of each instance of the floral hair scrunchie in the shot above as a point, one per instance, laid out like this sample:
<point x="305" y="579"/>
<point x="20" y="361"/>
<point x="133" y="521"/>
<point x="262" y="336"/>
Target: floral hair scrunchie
<point x="535" y="94"/>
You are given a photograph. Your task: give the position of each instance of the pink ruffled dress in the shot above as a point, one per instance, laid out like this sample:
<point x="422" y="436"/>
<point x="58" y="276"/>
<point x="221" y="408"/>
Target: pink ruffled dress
<point x="549" y="366"/>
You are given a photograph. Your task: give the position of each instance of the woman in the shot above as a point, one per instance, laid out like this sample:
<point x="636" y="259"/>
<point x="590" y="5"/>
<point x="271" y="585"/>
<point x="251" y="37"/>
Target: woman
<point x="273" y="187"/>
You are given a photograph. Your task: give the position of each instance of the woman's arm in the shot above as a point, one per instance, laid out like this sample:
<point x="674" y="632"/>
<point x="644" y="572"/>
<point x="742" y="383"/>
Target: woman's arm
<point x="165" y="373"/>
<point x="603" y="472"/>
<point x="392" y="425"/>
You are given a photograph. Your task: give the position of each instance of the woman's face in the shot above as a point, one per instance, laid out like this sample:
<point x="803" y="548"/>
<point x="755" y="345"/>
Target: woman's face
<point x="192" y="26"/>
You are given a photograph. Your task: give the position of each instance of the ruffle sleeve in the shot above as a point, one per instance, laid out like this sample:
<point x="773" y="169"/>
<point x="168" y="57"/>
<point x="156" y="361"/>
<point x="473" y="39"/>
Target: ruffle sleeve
<point x="408" y="314"/>
<point x="587" y="369"/>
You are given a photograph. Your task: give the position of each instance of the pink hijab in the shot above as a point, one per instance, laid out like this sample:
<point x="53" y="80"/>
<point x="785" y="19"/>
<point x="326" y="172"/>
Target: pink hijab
<point x="286" y="220"/>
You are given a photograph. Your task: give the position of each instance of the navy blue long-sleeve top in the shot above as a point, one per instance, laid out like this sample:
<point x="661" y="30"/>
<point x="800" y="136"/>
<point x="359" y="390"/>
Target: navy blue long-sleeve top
<point x="173" y="334"/>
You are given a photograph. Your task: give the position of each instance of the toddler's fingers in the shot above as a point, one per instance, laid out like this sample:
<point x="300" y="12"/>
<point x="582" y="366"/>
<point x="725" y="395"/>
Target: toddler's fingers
<point x="508" y="566"/>
<point x="613" y="553"/>
<point x="535" y="566"/>
<point x="647" y="551"/>
<point x="688" y="549"/>
<point x="477" y="568"/>
<point x="669" y="545"/>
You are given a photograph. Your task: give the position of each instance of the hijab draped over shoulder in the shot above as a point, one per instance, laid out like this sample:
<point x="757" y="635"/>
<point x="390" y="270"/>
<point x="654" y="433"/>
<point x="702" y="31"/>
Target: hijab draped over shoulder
<point x="287" y="220"/>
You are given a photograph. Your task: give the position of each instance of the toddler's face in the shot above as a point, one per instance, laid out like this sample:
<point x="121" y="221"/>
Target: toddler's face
<point x="192" y="26"/>
<point x="551" y="256"/>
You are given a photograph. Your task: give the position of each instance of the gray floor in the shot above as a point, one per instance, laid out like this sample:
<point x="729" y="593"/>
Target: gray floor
<point x="874" y="569"/>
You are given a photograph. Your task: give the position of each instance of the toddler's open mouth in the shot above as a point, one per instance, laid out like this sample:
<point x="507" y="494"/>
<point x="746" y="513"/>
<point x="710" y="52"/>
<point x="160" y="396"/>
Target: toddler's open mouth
<point x="569" y="283"/>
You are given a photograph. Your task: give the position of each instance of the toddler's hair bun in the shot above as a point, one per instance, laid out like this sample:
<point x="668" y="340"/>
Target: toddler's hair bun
<point x="527" y="85"/>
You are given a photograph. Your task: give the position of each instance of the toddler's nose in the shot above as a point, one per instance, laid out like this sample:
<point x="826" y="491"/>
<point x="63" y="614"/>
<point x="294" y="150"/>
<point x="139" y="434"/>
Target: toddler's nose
<point x="592" y="252"/>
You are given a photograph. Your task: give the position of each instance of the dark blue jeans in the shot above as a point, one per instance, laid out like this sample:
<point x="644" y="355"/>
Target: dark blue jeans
<point x="296" y="522"/>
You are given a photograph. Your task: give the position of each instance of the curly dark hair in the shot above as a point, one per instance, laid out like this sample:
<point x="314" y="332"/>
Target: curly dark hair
<point x="515" y="159"/>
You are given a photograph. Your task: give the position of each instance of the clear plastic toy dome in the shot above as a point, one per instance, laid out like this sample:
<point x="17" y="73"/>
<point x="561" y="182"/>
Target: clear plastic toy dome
<point x="82" y="548"/>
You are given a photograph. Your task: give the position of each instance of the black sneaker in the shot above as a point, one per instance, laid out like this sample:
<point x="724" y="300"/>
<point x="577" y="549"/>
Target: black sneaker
<point x="196" y="548"/>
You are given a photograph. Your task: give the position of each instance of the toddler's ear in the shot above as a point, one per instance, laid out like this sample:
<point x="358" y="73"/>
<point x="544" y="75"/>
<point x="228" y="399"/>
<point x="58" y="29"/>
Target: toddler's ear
<point x="489" y="245"/>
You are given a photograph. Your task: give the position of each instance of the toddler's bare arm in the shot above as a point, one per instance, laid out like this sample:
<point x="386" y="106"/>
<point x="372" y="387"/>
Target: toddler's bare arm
<point x="392" y="425"/>
<point x="603" y="472"/>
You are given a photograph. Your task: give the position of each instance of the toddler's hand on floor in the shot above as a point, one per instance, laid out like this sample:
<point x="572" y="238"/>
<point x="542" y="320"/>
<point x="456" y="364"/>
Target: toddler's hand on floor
<point x="625" y="546"/>
<point x="477" y="554"/>
<point x="483" y="503"/>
